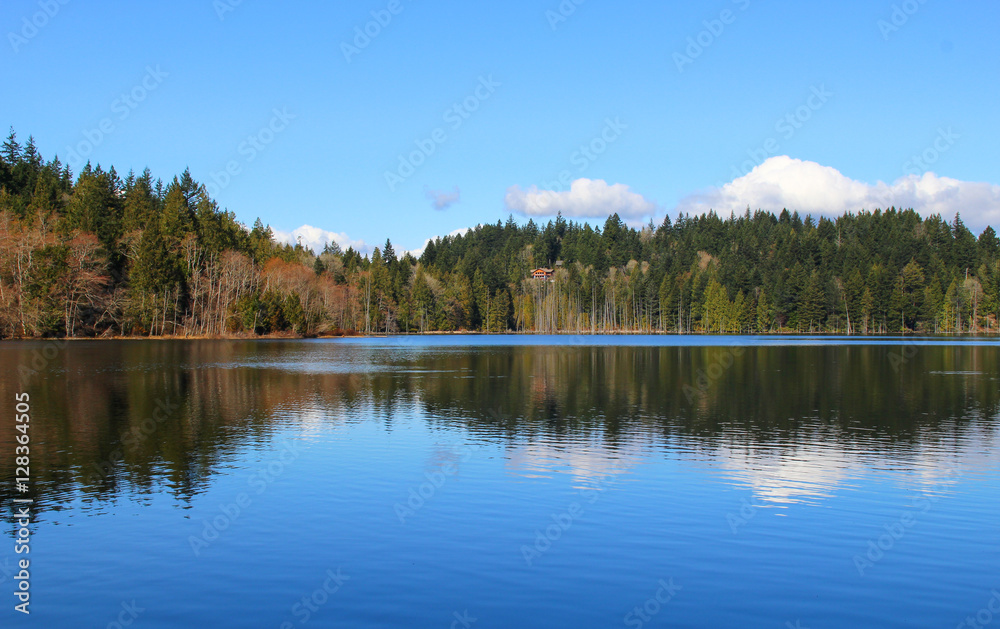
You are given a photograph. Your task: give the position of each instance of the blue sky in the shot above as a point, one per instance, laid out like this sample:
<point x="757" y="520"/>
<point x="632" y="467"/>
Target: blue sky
<point x="675" y="101"/>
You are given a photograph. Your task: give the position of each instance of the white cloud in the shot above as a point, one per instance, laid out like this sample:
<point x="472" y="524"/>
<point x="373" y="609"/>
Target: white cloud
<point x="416" y="253"/>
<point x="442" y="200"/>
<point x="784" y="182"/>
<point x="315" y="238"/>
<point x="586" y="198"/>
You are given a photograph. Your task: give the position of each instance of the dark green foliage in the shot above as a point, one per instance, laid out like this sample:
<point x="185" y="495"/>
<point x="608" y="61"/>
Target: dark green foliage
<point x="169" y="260"/>
<point x="875" y="271"/>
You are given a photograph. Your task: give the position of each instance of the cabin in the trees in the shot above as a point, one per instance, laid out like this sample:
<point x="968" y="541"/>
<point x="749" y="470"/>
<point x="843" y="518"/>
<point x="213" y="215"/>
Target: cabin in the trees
<point x="542" y="274"/>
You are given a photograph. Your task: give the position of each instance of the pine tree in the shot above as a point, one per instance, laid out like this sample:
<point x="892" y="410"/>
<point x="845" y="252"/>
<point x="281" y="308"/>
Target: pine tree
<point x="11" y="151"/>
<point x="913" y="284"/>
<point x="716" y="308"/>
<point x="989" y="244"/>
<point x="867" y="308"/>
<point x="993" y="295"/>
<point x="810" y="312"/>
<point x="500" y="310"/>
<point x="481" y="300"/>
<point x="741" y="313"/>
<point x="964" y="246"/>
<point x="176" y="216"/>
<point x="764" y="317"/>
<point x="950" y="309"/>
<point x="140" y="205"/>
<point x="853" y="291"/>
<point x="896" y="303"/>
<point x="423" y="299"/>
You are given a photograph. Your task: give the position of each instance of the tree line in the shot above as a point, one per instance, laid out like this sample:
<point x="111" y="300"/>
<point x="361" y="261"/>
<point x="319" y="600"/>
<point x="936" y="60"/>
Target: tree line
<point x="95" y="254"/>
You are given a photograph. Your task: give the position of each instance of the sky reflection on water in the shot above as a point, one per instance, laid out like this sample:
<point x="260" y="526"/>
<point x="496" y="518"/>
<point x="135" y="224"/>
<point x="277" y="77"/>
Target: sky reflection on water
<point x="756" y="480"/>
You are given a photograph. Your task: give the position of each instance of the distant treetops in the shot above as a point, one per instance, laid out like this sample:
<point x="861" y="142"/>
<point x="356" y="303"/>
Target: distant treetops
<point x="99" y="255"/>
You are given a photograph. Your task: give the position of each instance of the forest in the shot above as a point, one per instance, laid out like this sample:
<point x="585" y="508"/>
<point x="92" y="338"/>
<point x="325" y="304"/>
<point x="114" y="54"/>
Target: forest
<point x="99" y="255"/>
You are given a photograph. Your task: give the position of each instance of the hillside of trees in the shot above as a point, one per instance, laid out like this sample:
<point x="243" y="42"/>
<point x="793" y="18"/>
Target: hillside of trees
<point x="98" y="255"/>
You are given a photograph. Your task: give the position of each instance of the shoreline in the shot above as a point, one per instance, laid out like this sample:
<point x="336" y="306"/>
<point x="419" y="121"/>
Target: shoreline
<point x="288" y="336"/>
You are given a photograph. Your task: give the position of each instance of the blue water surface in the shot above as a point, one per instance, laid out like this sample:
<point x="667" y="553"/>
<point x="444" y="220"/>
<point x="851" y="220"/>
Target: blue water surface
<point x="514" y="481"/>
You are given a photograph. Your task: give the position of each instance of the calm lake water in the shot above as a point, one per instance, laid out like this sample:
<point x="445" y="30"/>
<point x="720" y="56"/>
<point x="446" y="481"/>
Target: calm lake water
<point x="508" y="482"/>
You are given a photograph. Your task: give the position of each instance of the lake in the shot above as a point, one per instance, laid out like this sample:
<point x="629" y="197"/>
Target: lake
<point x="512" y="481"/>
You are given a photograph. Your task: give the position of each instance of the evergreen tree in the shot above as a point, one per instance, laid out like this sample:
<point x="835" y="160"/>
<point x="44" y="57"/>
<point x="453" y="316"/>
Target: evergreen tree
<point x="913" y="285"/>
<point x="763" y="315"/>
<point x="11" y="151"/>
<point x="177" y="261"/>
<point x="810" y="312"/>
<point x="933" y="303"/>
